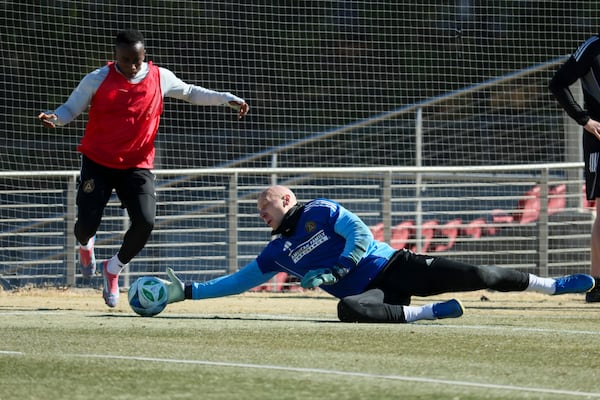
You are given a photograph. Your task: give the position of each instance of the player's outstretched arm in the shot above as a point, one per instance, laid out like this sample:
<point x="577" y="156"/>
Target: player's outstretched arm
<point x="227" y="285"/>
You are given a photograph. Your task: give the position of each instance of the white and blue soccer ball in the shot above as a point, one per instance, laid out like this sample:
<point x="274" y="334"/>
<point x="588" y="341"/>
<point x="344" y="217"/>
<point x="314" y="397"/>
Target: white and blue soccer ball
<point x="148" y="296"/>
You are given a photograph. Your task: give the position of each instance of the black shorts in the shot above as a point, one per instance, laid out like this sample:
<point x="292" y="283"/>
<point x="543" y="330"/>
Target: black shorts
<point x="591" y="156"/>
<point x="135" y="188"/>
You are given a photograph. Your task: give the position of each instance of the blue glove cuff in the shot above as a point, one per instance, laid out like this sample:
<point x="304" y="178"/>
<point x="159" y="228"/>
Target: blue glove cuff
<point x="345" y="263"/>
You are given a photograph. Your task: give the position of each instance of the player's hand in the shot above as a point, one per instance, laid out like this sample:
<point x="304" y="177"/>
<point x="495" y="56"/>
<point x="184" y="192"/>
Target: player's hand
<point x="48" y="120"/>
<point x="241" y="108"/>
<point x="323" y="276"/>
<point x="593" y="127"/>
<point x="318" y="277"/>
<point x="175" y="287"/>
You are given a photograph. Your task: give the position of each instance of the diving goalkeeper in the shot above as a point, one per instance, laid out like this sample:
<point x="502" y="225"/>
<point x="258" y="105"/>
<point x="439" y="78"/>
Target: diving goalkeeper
<point x="327" y="246"/>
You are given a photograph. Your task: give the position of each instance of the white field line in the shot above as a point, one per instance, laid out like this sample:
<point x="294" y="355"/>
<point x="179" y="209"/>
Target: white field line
<point x="7" y="352"/>
<point x="348" y="374"/>
<point x="320" y="371"/>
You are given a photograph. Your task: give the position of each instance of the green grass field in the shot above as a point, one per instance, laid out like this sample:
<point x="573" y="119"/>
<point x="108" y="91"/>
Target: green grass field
<point x="68" y="345"/>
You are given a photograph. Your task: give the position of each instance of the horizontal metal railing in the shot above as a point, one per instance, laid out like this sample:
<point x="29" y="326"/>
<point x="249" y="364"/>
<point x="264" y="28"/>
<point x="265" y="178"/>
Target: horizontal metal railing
<point x="207" y="225"/>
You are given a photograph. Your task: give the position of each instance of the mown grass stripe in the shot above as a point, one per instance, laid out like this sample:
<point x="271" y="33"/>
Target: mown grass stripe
<point x="348" y="373"/>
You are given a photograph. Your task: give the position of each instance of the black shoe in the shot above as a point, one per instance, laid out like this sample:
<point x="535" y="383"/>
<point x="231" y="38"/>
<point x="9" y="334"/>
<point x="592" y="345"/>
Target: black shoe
<point x="593" y="296"/>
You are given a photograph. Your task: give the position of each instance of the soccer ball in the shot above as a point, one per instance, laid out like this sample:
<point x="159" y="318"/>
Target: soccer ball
<point x="148" y="296"/>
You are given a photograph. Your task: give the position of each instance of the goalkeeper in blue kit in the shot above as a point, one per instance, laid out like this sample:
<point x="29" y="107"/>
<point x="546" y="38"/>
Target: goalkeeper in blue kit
<point x="327" y="246"/>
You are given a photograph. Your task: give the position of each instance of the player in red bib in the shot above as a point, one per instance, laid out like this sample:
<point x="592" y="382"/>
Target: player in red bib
<point x="125" y="100"/>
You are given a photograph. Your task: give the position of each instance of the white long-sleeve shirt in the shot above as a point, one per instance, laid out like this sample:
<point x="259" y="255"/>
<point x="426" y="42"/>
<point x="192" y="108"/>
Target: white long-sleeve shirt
<point x="171" y="86"/>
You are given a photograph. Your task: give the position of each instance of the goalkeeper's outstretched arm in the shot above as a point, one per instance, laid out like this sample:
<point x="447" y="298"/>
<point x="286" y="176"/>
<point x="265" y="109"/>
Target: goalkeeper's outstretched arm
<point x="238" y="282"/>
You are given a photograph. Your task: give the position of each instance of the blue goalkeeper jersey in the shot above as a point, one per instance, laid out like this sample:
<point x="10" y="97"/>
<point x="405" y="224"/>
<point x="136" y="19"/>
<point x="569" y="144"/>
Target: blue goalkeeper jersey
<point x="326" y="235"/>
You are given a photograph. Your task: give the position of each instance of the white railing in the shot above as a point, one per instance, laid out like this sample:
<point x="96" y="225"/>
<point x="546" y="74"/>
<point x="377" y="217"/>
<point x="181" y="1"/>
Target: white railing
<point x="524" y="216"/>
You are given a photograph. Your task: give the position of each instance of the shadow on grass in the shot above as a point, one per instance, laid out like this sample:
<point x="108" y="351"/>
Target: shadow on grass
<point x="196" y="317"/>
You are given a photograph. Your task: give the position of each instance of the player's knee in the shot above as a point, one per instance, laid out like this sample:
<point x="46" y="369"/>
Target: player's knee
<point x="363" y="307"/>
<point x="83" y="234"/>
<point x="147" y="226"/>
<point x="349" y="310"/>
<point x="490" y="276"/>
<point x="142" y="227"/>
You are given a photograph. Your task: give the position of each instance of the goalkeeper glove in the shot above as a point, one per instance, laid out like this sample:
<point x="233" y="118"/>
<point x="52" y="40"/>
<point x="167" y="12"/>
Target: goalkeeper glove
<point x="322" y="276"/>
<point x="175" y="287"/>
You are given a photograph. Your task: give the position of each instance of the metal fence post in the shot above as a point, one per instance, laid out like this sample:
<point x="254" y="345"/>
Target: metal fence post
<point x="543" y="225"/>
<point x="419" y="179"/>
<point x="69" y="226"/>
<point x="232" y="224"/>
<point x="386" y="207"/>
